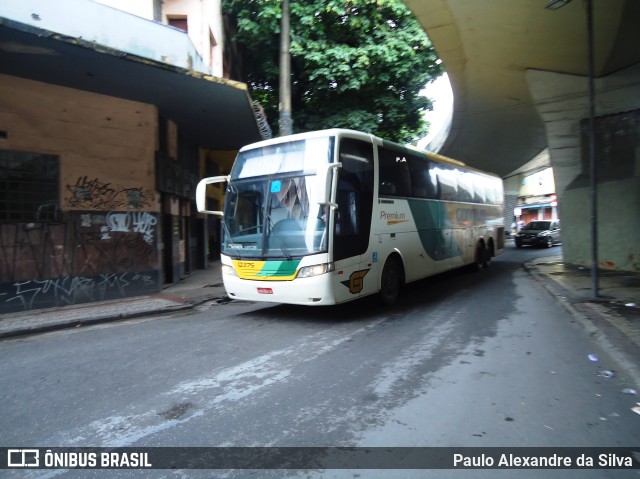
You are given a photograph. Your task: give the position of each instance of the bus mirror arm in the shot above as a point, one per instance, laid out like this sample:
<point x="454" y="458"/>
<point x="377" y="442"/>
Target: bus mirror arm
<point x="332" y="206"/>
<point x="201" y="193"/>
<point x="325" y="183"/>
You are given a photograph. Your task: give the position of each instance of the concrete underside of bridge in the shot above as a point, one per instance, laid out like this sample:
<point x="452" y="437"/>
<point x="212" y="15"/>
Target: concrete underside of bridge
<point x="519" y="74"/>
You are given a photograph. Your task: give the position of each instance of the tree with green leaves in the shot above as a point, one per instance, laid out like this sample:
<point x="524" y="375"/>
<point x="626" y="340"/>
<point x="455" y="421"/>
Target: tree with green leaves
<point x="358" y="64"/>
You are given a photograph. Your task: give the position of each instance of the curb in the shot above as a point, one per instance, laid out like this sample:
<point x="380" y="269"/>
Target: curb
<point x="76" y="323"/>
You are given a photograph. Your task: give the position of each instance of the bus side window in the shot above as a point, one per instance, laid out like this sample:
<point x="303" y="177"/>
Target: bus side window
<point x="447" y="182"/>
<point x="465" y="186"/>
<point x="387" y="188"/>
<point x="395" y="177"/>
<point x="420" y="178"/>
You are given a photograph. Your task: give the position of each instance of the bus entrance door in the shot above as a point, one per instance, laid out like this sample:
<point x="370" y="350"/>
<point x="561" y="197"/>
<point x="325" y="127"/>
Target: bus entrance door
<point x="348" y="279"/>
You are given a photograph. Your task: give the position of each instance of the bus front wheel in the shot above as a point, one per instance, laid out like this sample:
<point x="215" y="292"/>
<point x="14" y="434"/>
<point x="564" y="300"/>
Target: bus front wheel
<point x="391" y="281"/>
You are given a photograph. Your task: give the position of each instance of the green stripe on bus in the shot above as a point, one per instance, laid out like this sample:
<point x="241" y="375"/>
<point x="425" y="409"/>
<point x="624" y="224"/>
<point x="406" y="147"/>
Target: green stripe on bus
<point x="279" y="268"/>
<point x="431" y="217"/>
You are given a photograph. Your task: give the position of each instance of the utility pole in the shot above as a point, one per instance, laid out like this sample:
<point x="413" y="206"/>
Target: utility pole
<point x="593" y="168"/>
<point x="285" y="120"/>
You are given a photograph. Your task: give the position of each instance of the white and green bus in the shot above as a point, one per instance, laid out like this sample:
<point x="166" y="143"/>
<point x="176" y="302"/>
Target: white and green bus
<point x="330" y="216"/>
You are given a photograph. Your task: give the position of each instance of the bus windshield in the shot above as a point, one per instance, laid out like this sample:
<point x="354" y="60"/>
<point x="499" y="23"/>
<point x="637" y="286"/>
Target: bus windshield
<point x="302" y="156"/>
<point x="270" y="209"/>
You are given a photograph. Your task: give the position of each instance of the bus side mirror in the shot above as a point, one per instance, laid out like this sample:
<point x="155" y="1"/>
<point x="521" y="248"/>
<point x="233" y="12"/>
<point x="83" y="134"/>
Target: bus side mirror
<point x="325" y="182"/>
<point x="201" y="193"/>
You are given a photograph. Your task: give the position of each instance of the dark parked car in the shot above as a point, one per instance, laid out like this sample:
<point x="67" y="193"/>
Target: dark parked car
<point x="539" y="233"/>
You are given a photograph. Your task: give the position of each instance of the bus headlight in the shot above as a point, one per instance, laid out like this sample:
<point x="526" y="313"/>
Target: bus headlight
<point x="229" y="270"/>
<point x="315" y="270"/>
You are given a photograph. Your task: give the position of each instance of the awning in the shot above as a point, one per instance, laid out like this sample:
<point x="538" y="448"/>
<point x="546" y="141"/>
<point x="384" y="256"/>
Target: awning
<point x="535" y="206"/>
<point x="212" y="112"/>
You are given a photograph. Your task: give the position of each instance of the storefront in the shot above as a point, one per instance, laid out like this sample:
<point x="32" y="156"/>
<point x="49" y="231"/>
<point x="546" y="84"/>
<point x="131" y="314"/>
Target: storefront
<point x="541" y="208"/>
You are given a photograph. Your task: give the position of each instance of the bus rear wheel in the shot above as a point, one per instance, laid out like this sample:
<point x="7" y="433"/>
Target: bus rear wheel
<point x="391" y="281"/>
<point x="482" y="257"/>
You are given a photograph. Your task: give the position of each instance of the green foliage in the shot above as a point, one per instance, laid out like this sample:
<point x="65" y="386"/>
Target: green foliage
<point x="356" y="64"/>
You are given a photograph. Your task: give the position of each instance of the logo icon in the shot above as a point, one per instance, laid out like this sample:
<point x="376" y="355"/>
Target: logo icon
<point x="23" y="457"/>
<point x="355" y="283"/>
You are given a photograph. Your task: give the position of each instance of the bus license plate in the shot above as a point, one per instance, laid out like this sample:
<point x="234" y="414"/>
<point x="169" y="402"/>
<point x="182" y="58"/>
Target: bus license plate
<point x="265" y="291"/>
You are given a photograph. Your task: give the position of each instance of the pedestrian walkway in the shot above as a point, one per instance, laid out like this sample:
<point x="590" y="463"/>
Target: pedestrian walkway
<point x="197" y="288"/>
<point x="618" y="292"/>
<point x="615" y="317"/>
<point x="612" y="319"/>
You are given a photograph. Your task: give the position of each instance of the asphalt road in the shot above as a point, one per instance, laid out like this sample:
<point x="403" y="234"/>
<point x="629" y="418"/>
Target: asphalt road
<point x="463" y="359"/>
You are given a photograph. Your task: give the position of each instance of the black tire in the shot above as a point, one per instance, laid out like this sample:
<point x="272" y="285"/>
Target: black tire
<point x="391" y="281"/>
<point x="482" y="258"/>
<point x="488" y="255"/>
<point x="549" y="241"/>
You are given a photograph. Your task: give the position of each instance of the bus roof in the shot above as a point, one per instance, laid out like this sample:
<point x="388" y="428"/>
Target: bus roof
<point x="308" y="134"/>
<point x="365" y="136"/>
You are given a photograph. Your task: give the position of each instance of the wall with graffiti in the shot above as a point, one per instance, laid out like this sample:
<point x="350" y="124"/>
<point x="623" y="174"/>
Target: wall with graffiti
<point x="93" y="193"/>
<point x="100" y="237"/>
<point x="88" y="257"/>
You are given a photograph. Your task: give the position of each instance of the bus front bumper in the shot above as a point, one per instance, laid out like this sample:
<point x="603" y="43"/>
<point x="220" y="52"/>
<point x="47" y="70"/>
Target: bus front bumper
<point x="314" y="291"/>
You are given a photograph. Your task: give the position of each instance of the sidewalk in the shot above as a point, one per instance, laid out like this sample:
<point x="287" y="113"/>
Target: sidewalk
<point x="197" y="288"/>
<point x="613" y="320"/>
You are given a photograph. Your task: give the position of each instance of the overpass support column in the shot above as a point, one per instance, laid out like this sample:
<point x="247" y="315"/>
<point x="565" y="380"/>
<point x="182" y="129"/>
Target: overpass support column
<point x="562" y="102"/>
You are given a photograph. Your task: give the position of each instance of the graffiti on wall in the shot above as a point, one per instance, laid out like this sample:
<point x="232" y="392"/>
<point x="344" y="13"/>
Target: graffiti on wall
<point x="88" y="193"/>
<point x="137" y="222"/>
<point x="88" y="257"/>
<point x="27" y="295"/>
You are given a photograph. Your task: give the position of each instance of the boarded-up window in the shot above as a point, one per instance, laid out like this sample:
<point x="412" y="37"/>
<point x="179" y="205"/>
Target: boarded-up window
<point x="29" y="187"/>
<point x="617" y="141"/>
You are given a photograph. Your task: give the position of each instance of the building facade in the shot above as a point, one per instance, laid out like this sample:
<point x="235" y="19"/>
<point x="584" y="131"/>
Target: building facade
<point x="530" y="193"/>
<point x="105" y="129"/>
<point x="200" y="19"/>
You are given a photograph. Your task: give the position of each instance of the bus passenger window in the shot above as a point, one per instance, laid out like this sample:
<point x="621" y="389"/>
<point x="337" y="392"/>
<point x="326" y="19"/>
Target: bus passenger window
<point x="395" y="178"/>
<point x="387" y="188"/>
<point x="420" y="178"/>
<point x="447" y="182"/>
<point x="465" y="185"/>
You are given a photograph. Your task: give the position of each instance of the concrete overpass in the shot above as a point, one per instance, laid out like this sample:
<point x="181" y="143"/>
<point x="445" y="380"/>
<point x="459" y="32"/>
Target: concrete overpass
<point x="519" y="74"/>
